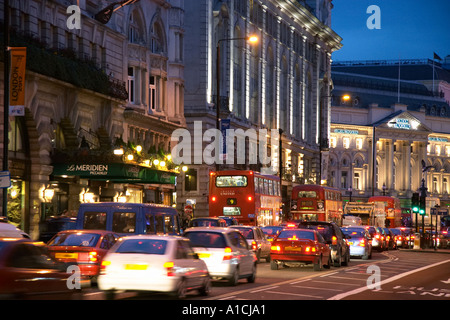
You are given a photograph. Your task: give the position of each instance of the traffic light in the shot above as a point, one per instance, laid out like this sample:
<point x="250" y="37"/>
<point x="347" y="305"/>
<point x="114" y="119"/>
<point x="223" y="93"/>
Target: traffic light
<point x="422" y="207"/>
<point x="415" y="202"/>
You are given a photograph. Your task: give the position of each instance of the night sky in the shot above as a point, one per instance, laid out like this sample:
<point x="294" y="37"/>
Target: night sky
<point x="410" y="29"/>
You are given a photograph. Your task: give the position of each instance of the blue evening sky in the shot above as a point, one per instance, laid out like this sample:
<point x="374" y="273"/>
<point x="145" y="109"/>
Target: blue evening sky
<point x="410" y="29"/>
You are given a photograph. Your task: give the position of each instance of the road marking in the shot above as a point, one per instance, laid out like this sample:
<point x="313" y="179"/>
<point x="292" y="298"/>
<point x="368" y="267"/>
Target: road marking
<point x="402" y="275"/>
<point x="348" y="278"/>
<point x="329" y="274"/>
<point x="328" y="289"/>
<point x="295" y="282"/>
<point x="295" y="294"/>
<point x="336" y="283"/>
<point x="263" y="289"/>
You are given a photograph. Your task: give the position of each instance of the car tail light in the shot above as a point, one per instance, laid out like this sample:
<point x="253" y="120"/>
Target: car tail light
<point x="310" y="249"/>
<point x="228" y="254"/>
<point x="399" y="238"/>
<point x="377" y="236"/>
<point x="169" y="267"/>
<point x="254" y="246"/>
<point x="93" y="256"/>
<point x="362" y="243"/>
<point x="103" y="266"/>
<point x="334" y="240"/>
<point x="275" y="248"/>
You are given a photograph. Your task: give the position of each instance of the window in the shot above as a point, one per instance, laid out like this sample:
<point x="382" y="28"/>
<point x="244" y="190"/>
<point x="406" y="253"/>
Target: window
<point x="359" y="143"/>
<point x="94" y="220"/>
<point x="444" y="185"/>
<point x="357" y="181"/>
<point x="152" y="93"/>
<point x="438" y="150"/>
<point x="231" y="181"/>
<point x="333" y="142"/>
<point x="131" y="84"/>
<point x="307" y="194"/>
<point x="346" y="143"/>
<point x="157" y="39"/>
<point x="344" y="180"/>
<point x="124" y="222"/>
<point x="190" y="180"/>
<point x="435" y="185"/>
<point x="145" y="246"/>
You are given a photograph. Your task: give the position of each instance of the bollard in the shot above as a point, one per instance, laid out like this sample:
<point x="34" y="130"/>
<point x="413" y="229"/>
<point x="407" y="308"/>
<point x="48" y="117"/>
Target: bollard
<point x="416" y="241"/>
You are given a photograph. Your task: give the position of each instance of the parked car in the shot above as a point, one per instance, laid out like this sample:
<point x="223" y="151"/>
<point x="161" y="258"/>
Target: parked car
<point x="8" y="230"/>
<point x="330" y="231"/>
<point x="86" y="248"/>
<point x="53" y="225"/>
<point x="271" y="231"/>
<point x="300" y="246"/>
<point x="153" y="263"/>
<point x="360" y="242"/>
<point x="225" y="252"/>
<point x="27" y="272"/>
<point x="207" y="222"/>
<point x="256" y="239"/>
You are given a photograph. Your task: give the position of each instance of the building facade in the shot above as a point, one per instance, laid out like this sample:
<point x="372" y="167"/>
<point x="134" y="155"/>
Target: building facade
<point x="408" y="118"/>
<point x="102" y="101"/>
<point x="280" y="83"/>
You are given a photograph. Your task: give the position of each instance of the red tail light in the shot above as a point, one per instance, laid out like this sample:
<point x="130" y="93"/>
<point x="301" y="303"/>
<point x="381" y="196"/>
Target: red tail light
<point x="228" y="254"/>
<point x="103" y="266"/>
<point x="93" y="256"/>
<point x="399" y="238"/>
<point x="362" y="243"/>
<point x="334" y="241"/>
<point x="169" y="268"/>
<point x="254" y="246"/>
<point x="275" y="248"/>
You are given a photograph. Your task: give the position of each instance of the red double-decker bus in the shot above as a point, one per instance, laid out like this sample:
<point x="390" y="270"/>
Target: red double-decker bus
<point x="393" y="210"/>
<point x="316" y="203"/>
<point x="250" y="197"/>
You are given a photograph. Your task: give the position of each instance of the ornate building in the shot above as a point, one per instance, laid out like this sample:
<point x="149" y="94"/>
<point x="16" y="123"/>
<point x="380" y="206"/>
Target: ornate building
<point x="102" y="101"/>
<point x="282" y="82"/>
<point x="409" y="120"/>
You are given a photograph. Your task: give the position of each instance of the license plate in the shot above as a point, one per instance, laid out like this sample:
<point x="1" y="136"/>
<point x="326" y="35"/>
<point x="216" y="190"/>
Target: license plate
<point x="293" y="248"/>
<point x="66" y="255"/>
<point x="350" y="243"/>
<point x="204" y="255"/>
<point x="136" y="267"/>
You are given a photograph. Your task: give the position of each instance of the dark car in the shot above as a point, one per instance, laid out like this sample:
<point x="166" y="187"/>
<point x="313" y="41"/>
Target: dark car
<point x="390" y="239"/>
<point x="335" y="238"/>
<point x="27" y="271"/>
<point x="378" y="241"/>
<point x="53" y="225"/>
<point x="207" y="222"/>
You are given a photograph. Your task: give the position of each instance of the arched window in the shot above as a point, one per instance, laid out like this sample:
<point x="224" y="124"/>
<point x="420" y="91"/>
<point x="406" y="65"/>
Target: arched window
<point x="135" y="28"/>
<point x="157" y="39"/>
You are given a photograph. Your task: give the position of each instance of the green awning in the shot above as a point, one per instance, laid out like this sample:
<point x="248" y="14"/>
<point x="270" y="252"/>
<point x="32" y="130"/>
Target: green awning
<point x="115" y="172"/>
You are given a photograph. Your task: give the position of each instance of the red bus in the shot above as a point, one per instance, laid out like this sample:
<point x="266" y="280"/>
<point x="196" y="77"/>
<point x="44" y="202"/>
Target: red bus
<point x="250" y="197"/>
<point x="392" y="208"/>
<point x="317" y="203"/>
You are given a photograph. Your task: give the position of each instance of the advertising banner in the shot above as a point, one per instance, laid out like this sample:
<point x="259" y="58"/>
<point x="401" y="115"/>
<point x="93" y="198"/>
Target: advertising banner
<point x="17" y="81"/>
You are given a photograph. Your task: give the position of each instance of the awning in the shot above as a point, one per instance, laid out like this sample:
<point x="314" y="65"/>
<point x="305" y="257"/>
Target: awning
<point x="115" y="172"/>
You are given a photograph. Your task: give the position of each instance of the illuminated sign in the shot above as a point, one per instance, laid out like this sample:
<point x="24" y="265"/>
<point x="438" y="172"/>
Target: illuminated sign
<point x="406" y="124"/>
<point x="345" y="131"/>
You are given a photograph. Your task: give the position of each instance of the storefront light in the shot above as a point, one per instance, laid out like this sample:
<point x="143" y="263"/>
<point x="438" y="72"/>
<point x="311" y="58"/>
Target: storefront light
<point x="130" y="157"/>
<point x="118" y="152"/>
<point x="162" y="163"/>
<point x="138" y="148"/>
<point x="156" y="162"/>
<point x="184" y="168"/>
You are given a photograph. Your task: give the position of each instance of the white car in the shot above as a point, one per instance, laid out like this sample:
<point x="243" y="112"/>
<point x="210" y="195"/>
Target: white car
<point x="8" y="230"/>
<point x="225" y="252"/>
<point x="158" y="263"/>
<point x="256" y="240"/>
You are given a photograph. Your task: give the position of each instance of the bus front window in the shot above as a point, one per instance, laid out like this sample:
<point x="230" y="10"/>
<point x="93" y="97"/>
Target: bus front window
<point x="231" y="181"/>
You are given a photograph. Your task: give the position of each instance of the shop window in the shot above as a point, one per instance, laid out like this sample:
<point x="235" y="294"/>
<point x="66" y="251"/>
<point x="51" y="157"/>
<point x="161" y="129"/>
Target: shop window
<point x="124" y="222"/>
<point x="190" y="180"/>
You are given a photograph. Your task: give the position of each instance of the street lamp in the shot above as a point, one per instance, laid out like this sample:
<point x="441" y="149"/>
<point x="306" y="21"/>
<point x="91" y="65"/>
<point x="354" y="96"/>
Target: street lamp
<point x="251" y="39"/>
<point x="105" y="15"/>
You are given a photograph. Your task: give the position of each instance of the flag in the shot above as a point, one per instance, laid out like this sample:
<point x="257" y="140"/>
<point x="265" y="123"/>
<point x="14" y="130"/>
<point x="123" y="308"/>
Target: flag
<point x="437" y="57"/>
<point x="17" y="81"/>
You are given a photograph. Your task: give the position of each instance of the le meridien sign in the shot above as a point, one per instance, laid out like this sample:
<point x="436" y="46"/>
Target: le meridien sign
<point x="406" y="124"/>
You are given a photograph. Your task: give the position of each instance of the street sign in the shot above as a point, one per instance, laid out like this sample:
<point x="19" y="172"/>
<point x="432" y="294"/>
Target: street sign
<point x="5" y="179"/>
<point x="188" y="209"/>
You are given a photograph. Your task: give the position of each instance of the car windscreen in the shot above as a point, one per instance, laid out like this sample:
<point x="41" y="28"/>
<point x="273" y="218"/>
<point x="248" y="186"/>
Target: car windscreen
<point x="204" y="223"/>
<point x="247" y="233"/>
<point x="354" y="233"/>
<point x="75" y="239"/>
<point x="325" y="230"/>
<point x="206" y="239"/>
<point x="142" y="246"/>
<point x="271" y="231"/>
<point x="296" y="235"/>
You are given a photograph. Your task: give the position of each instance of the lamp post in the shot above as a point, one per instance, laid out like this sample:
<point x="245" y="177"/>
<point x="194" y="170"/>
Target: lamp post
<point x="251" y="39"/>
<point x="6" y="66"/>
<point x="384" y="189"/>
<point x="350" y="191"/>
<point x="104" y="15"/>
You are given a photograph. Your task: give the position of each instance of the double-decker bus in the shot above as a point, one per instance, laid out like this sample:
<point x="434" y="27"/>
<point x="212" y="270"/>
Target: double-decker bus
<point x="317" y="203"/>
<point x="250" y="197"/>
<point x="393" y="210"/>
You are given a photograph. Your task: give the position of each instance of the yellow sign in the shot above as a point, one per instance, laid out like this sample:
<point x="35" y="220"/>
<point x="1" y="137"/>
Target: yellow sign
<point x="17" y="81"/>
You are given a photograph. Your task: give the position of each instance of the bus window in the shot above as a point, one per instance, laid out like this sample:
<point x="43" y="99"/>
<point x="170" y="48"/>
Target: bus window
<point x="270" y="187"/>
<point x="256" y="185"/>
<point x="94" y="220"/>
<point x="261" y="185"/>
<point x="307" y="194"/>
<point x="231" y="181"/>
<point x="124" y="222"/>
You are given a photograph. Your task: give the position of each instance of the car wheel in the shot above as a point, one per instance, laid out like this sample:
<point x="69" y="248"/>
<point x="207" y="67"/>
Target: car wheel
<point x="268" y="258"/>
<point x="252" y="277"/>
<point x="274" y="265"/>
<point x="110" y="294"/>
<point x="180" y="291"/>
<point x="328" y="265"/>
<point x="337" y="263"/>
<point x="258" y="256"/>
<point x="206" y="289"/>
<point x="318" y="266"/>
<point x="233" y="281"/>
